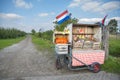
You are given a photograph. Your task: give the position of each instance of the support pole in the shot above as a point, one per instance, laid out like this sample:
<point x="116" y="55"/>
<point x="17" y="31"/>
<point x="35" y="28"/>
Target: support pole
<point x="105" y="40"/>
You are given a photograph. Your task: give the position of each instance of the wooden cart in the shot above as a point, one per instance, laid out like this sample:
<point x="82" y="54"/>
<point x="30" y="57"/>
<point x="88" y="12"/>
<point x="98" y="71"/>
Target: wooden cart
<point x="82" y="48"/>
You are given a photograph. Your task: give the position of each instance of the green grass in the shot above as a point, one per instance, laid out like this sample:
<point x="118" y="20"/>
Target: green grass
<point x="112" y="65"/>
<point x="114" y="47"/>
<point x="7" y="42"/>
<point x="42" y="44"/>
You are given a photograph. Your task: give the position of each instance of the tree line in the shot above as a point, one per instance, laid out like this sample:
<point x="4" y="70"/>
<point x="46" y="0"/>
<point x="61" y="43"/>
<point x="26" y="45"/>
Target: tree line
<point x="46" y="35"/>
<point x="43" y="34"/>
<point x="7" y="33"/>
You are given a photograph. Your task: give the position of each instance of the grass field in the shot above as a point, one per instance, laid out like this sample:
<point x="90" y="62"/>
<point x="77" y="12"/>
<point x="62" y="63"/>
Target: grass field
<point x="7" y="42"/>
<point x="111" y="65"/>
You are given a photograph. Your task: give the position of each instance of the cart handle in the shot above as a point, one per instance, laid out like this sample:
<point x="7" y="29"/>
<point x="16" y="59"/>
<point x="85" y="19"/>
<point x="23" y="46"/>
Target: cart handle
<point x="79" y="60"/>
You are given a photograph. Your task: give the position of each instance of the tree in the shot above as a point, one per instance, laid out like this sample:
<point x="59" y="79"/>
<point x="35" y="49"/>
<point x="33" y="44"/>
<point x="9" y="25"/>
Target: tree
<point x="33" y="31"/>
<point x="64" y="24"/>
<point x="113" y="26"/>
<point x="41" y="30"/>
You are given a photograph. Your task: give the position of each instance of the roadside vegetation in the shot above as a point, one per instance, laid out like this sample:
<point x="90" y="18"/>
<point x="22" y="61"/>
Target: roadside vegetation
<point x="42" y="44"/>
<point x="114" y="46"/>
<point x="9" y="36"/>
<point x="7" y="42"/>
<point x="43" y="40"/>
<point x="112" y="64"/>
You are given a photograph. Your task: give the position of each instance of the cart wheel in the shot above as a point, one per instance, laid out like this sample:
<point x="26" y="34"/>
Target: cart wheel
<point x="58" y="64"/>
<point x="66" y="60"/>
<point x="95" y="67"/>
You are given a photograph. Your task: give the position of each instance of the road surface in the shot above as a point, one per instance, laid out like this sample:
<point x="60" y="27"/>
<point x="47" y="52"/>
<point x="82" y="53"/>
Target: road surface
<point x="23" y="61"/>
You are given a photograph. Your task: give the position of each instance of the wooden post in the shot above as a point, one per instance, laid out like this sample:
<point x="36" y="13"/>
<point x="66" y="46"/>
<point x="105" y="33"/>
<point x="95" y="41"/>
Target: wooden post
<point x="105" y="40"/>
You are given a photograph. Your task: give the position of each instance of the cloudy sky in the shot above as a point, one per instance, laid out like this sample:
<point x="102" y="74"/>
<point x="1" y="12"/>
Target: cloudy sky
<point x="35" y="14"/>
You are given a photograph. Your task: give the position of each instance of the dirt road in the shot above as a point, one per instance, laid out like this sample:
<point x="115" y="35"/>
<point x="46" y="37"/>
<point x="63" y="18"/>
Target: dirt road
<point x="23" y="62"/>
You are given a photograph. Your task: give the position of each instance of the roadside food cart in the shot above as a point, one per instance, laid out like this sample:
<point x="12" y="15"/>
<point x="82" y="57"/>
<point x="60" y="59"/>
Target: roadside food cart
<point x="79" y="47"/>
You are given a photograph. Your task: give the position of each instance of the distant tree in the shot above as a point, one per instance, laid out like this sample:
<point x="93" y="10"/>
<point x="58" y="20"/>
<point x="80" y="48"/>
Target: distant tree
<point x="33" y="31"/>
<point x="39" y="33"/>
<point x="41" y="30"/>
<point x="113" y="26"/>
<point x="64" y="24"/>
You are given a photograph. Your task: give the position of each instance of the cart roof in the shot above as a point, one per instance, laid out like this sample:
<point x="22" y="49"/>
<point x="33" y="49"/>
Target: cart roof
<point x="95" y="25"/>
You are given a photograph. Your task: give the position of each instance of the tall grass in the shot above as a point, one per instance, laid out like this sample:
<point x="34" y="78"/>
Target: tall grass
<point x="114" y="46"/>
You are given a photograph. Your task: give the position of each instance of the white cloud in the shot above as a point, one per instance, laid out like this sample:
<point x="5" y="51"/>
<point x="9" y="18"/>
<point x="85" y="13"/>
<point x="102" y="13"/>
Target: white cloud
<point x="45" y="14"/>
<point x="117" y="18"/>
<point x="74" y="3"/>
<point x="22" y="4"/>
<point x="94" y="20"/>
<point x="107" y="7"/>
<point x="90" y="5"/>
<point x="52" y="13"/>
<point x="89" y="20"/>
<point x="10" y="16"/>
<point x="96" y="5"/>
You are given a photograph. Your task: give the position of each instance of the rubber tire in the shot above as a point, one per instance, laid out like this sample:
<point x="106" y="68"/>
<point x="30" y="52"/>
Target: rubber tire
<point x="58" y="64"/>
<point x="95" y="67"/>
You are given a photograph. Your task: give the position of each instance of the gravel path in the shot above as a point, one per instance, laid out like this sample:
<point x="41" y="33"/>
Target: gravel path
<point x="23" y="62"/>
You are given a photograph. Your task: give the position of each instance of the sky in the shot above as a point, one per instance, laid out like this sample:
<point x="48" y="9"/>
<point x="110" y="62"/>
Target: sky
<point x="40" y="14"/>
